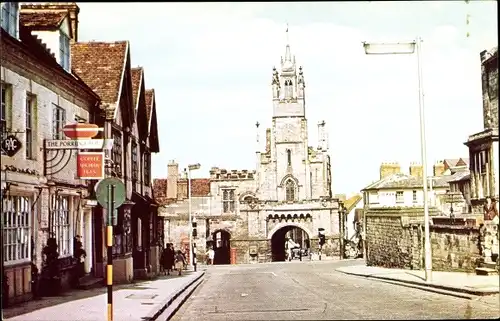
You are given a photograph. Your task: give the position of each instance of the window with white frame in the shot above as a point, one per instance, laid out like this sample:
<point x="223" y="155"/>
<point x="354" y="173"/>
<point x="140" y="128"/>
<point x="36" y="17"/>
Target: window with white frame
<point x="228" y="201"/>
<point x="414" y="196"/>
<point x="30" y="121"/>
<point x="62" y="228"/>
<point x="400" y="197"/>
<point x="373" y="198"/>
<point x="10" y="18"/>
<point x="64" y="51"/>
<point x="16" y="211"/>
<point x="58" y="121"/>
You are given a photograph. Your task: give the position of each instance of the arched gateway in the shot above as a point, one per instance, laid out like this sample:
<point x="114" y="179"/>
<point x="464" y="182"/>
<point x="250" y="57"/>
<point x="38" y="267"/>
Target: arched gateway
<point x="221" y="244"/>
<point x="297" y="232"/>
<point x="289" y="191"/>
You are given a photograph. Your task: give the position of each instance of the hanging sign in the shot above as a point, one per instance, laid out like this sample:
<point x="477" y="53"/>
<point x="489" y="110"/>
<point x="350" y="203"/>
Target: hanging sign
<point x="90" y="165"/>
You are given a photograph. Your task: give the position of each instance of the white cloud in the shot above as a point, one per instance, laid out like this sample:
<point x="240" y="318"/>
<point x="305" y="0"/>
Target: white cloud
<point x="211" y="67"/>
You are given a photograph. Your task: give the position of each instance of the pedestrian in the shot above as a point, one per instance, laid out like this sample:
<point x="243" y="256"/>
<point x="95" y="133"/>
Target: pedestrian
<point x="288" y="250"/>
<point x="180" y="261"/>
<point x="210" y="255"/>
<point x="168" y="259"/>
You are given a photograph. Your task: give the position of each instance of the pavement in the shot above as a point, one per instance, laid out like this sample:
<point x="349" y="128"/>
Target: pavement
<point x="138" y="301"/>
<point x="316" y="290"/>
<point x="469" y="283"/>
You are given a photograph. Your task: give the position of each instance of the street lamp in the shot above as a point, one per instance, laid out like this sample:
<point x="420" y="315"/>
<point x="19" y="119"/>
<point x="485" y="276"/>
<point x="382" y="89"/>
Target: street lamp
<point x="342" y="230"/>
<point x="191" y="257"/>
<point x="410" y="48"/>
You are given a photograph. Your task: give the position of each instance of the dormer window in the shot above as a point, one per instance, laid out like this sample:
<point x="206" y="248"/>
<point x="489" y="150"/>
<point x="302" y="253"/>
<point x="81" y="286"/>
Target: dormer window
<point x="10" y="18"/>
<point x="64" y="51"/>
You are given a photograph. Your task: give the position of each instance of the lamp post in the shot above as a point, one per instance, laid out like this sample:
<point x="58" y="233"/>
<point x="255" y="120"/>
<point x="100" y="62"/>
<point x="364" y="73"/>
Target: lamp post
<point x="410" y="48"/>
<point x="191" y="168"/>
<point x="341" y="230"/>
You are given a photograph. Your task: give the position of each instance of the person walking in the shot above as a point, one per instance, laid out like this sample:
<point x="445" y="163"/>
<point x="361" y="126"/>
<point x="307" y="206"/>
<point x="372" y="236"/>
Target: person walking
<point x="168" y="259"/>
<point x="211" y="256"/>
<point x="180" y="261"/>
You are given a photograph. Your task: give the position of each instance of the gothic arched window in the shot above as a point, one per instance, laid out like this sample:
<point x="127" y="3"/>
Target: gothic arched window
<point x="288" y="88"/>
<point x="289" y="157"/>
<point x="290" y="190"/>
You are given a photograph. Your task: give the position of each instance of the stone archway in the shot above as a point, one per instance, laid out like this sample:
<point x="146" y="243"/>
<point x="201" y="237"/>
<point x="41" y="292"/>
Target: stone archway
<point x="221" y="244"/>
<point x="277" y="237"/>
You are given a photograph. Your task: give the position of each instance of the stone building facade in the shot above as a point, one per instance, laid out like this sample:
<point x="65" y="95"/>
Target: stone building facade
<point x="49" y="80"/>
<point x="483" y="146"/>
<point x="41" y="195"/>
<point x="254" y="209"/>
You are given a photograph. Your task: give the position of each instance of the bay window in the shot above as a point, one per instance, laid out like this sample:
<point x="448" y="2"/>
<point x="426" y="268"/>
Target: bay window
<point x="16" y="211"/>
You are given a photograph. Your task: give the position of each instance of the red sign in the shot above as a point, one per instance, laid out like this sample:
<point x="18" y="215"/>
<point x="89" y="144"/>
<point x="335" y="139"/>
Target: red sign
<point x="81" y="131"/>
<point x="90" y="165"/>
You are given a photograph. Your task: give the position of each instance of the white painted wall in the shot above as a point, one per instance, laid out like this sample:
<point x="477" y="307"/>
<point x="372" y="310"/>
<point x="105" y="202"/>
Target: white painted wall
<point x="387" y="198"/>
<point x="51" y="39"/>
<point x="350" y="219"/>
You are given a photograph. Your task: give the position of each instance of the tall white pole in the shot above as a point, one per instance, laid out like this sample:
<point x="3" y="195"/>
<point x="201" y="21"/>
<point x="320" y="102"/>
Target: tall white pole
<point x="427" y="246"/>
<point x="190" y="220"/>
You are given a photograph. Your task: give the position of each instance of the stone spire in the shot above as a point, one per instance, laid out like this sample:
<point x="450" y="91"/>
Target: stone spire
<point x="287" y="63"/>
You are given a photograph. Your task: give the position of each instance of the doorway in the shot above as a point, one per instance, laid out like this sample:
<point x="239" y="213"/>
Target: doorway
<point x="297" y="234"/>
<point x="222" y="247"/>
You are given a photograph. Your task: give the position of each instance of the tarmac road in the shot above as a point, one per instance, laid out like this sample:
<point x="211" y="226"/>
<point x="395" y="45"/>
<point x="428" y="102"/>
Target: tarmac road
<point x="314" y="291"/>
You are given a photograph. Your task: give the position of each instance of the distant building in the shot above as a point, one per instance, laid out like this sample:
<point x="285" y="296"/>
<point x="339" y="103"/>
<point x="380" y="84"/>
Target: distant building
<point x="251" y="211"/>
<point x="399" y="190"/>
<point x="352" y="204"/>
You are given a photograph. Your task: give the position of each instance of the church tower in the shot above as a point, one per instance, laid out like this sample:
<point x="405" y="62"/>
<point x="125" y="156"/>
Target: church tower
<point x="289" y="141"/>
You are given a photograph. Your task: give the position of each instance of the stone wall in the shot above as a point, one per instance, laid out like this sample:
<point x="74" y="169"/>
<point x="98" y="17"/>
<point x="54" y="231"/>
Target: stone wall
<point x="455" y="248"/>
<point x="395" y="239"/>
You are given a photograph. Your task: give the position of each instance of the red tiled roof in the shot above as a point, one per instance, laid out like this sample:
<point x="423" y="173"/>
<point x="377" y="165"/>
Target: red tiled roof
<point x="137" y="74"/>
<point x="42" y="20"/>
<point x="160" y="187"/>
<point x="100" y="65"/>
<point x="200" y="187"/>
<point x="150" y="94"/>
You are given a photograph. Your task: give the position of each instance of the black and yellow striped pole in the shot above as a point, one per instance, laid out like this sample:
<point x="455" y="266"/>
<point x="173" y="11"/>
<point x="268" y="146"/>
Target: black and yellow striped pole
<point x="111" y="193"/>
<point x="109" y="243"/>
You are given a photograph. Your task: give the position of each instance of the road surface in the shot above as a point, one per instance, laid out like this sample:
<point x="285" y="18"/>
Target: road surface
<point x="314" y="291"/>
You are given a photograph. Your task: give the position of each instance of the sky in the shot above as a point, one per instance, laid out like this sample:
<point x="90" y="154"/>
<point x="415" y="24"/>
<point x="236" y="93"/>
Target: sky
<point x="211" y="67"/>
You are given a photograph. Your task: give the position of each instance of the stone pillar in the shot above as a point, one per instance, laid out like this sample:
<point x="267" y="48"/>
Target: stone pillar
<point x="473" y="184"/>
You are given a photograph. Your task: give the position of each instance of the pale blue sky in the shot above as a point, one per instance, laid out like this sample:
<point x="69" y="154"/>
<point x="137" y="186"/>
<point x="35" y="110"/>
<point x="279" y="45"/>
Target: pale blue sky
<point x="211" y="66"/>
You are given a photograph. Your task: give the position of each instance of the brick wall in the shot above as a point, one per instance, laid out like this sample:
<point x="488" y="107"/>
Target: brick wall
<point x="394" y="239"/>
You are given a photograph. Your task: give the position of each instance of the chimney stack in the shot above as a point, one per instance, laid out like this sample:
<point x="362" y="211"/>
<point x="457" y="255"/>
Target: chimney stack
<point x="389" y="168"/>
<point x="439" y="168"/>
<point x="71" y="7"/>
<point x="172" y="179"/>
<point x="416" y="170"/>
